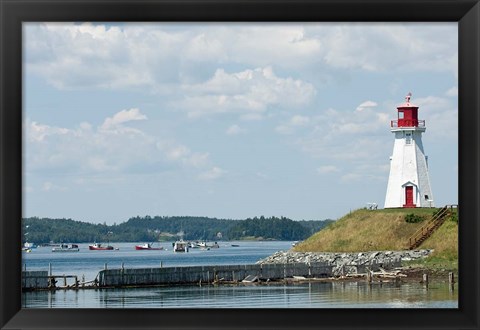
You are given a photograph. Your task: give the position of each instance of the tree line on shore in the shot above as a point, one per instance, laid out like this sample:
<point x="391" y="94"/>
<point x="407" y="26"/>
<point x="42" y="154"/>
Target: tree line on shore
<point x="168" y="228"/>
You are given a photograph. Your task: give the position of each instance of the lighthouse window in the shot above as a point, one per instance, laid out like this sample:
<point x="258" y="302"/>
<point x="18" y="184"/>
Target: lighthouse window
<point x="400" y="115"/>
<point x="408" y="138"/>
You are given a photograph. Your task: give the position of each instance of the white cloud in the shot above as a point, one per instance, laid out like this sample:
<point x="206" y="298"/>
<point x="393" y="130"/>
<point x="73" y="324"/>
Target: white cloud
<point x="38" y="132"/>
<point x="365" y="105"/>
<point x="235" y="130"/>
<point x="162" y="56"/>
<point x="112" y="147"/>
<point x="327" y="169"/>
<point x="294" y="122"/>
<point x="452" y="91"/>
<point x="393" y="47"/>
<point x="121" y="117"/>
<point x="246" y="92"/>
<point x="198" y="159"/>
<point x="48" y="186"/>
<point x="441" y="116"/>
<point x="212" y="174"/>
<point x="177" y="152"/>
<point x="203" y="47"/>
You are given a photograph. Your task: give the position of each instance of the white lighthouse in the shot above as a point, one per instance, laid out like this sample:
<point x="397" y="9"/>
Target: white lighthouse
<point x="408" y="182"/>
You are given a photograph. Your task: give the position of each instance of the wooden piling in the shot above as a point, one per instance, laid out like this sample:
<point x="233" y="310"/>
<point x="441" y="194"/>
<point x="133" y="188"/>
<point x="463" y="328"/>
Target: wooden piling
<point x="425" y="279"/>
<point x="451" y="278"/>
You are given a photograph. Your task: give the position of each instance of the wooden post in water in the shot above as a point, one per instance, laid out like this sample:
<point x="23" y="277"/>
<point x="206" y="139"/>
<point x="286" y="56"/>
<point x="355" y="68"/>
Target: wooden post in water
<point x="50" y="269"/>
<point x="76" y="282"/>
<point x="451" y="281"/>
<point x="451" y="278"/>
<point x="425" y="279"/>
<point x="64" y="280"/>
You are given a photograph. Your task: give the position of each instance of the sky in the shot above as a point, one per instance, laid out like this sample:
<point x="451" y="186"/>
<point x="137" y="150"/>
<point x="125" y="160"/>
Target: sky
<point x="229" y="120"/>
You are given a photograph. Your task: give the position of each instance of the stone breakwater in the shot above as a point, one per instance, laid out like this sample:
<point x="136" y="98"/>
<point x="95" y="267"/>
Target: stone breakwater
<point x="348" y="263"/>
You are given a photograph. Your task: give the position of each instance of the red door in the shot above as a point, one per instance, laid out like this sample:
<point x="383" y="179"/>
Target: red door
<point x="409" y="197"/>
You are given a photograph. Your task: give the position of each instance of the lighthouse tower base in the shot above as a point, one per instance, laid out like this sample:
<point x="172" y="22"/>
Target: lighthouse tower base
<point x="408" y="182"/>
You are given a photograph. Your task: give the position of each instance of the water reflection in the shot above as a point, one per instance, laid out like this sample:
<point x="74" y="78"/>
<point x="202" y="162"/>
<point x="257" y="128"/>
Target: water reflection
<point x="306" y="295"/>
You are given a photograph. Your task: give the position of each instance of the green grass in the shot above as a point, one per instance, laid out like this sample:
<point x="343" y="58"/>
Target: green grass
<point x="386" y="229"/>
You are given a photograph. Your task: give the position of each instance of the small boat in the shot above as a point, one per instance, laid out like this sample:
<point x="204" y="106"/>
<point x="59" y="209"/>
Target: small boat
<point x="28" y="245"/>
<point x="25" y="249"/>
<point x="66" y="248"/>
<point x="147" y="246"/>
<point x="202" y="244"/>
<point x="193" y="245"/>
<point x="99" y="246"/>
<point x="214" y="246"/>
<point x="235" y="245"/>
<point x="180" y="246"/>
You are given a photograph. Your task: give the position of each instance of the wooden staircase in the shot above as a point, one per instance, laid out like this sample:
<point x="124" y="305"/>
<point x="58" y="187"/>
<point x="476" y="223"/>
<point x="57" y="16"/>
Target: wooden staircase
<point x="433" y="224"/>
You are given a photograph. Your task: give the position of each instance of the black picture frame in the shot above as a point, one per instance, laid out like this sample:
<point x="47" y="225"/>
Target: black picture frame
<point x="14" y="12"/>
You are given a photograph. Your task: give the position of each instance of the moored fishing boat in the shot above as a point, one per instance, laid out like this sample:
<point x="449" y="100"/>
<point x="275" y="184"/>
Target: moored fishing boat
<point x="66" y="248"/>
<point x="180" y="246"/>
<point x="147" y="246"/>
<point x="99" y="246"/>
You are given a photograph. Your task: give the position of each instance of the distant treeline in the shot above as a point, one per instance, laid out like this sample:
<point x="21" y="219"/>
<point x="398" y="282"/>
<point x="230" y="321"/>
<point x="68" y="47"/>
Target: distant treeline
<point x="149" y="229"/>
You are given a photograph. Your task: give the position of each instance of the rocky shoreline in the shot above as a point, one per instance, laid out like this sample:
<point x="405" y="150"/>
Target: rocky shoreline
<point x="348" y="263"/>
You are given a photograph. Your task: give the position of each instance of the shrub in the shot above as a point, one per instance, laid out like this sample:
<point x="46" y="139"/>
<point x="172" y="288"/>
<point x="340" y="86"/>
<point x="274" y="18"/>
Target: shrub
<point x="412" y="218"/>
<point x="454" y="217"/>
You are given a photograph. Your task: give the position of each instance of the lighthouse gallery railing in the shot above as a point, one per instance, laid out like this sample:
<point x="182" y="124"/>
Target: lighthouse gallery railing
<point x="407" y="123"/>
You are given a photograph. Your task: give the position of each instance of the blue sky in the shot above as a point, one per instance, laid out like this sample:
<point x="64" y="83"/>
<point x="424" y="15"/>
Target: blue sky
<point x="229" y="120"/>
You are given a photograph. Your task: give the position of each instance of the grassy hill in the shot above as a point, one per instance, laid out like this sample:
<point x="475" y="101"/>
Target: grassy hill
<point x="371" y="230"/>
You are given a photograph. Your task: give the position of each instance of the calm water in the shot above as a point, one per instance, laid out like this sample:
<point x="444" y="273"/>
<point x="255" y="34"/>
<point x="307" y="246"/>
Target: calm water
<point x="89" y="263"/>
<point x="309" y="295"/>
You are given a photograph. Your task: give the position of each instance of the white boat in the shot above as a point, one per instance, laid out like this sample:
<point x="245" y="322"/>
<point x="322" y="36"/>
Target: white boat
<point x="180" y="246"/>
<point x="147" y="246"/>
<point x="66" y="248"/>
<point x="28" y="245"/>
<point x="99" y="246"/>
<point x="193" y="245"/>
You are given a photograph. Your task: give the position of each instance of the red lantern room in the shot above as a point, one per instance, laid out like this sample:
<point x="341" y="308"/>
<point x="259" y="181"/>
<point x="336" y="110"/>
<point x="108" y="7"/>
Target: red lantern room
<point x="407" y="115"/>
